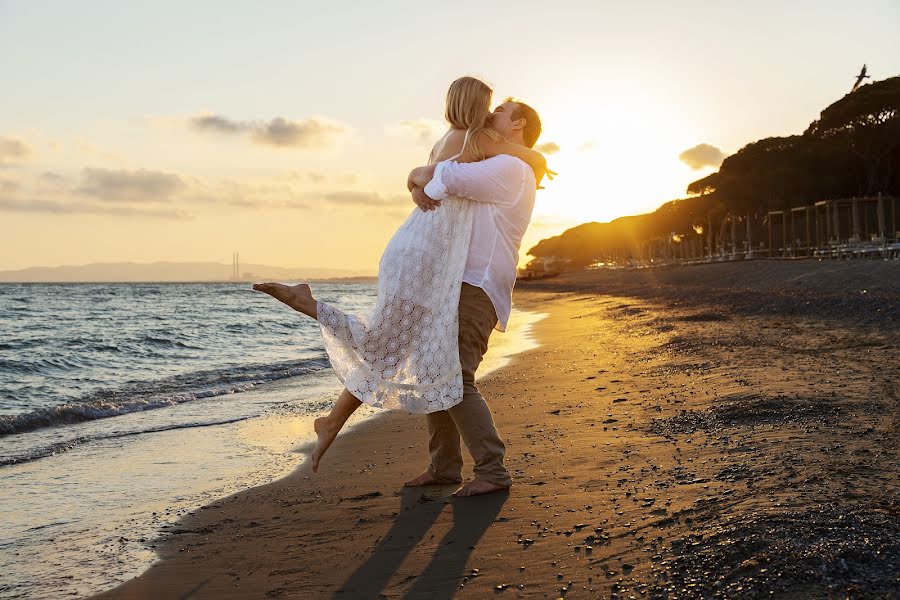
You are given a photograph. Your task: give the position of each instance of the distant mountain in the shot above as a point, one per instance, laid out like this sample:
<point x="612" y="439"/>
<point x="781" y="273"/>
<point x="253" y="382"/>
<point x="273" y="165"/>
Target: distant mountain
<point x="171" y="271"/>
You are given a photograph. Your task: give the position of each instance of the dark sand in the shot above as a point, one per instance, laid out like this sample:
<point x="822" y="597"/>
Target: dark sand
<point x="724" y="430"/>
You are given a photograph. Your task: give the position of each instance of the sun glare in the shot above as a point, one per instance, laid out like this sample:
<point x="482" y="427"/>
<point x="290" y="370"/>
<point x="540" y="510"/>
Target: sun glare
<point x="618" y="156"/>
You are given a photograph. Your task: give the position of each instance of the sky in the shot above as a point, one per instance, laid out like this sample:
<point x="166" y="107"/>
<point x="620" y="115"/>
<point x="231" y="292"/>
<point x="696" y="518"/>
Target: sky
<point x="186" y="131"/>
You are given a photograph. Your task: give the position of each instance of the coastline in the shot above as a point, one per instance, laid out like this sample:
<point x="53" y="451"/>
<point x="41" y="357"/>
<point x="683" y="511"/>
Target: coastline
<point x="186" y="474"/>
<point x="721" y="432"/>
<point x="110" y="486"/>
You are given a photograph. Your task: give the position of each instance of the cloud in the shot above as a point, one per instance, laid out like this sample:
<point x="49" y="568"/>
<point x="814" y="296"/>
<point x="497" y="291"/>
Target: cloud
<point x="217" y="124"/>
<point x="13" y="150"/>
<point x="314" y="132"/>
<point x="93" y="150"/>
<point x="120" y="185"/>
<point x="51" y="177"/>
<point x="9" y="186"/>
<point x="285" y="197"/>
<point x="351" y="197"/>
<point x="311" y="176"/>
<point x="392" y="207"/>
<point x="277" y="197"/>
<point x="422" y="130"/>
<point x="62" y="208"/>
<point x="702" y="155"/>
<point x="547" y="148"/>
<point x="156" y="194"/>
<point x="317" y="177"/>
<point x="52" y="193"/>
<point x="311" y="133"/>
<point x="258" y="204"/>
<point x="128" y="193"/>
<point x="251" y="195"/>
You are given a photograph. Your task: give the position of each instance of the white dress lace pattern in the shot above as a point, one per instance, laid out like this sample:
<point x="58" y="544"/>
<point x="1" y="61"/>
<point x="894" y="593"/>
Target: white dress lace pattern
<point x="405" y="353"/>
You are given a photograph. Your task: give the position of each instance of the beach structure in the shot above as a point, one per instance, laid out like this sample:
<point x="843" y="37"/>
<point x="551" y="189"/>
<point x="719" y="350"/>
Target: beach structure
<point x="543" y="267"/>
<point x="845" y="228"/>
<point x="235" y="266"/>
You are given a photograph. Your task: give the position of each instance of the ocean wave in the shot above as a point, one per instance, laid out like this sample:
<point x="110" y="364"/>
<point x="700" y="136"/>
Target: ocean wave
<point x="60" y="447"/>
<point x="39" y="366"/>
<point x="18" y="367"/>
<point x="167" y="342"/>
<point x="151" y="395"/>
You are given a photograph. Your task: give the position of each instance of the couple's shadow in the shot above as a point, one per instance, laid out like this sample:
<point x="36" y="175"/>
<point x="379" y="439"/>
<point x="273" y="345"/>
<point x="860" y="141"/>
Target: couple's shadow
<point x="418" y="512"/>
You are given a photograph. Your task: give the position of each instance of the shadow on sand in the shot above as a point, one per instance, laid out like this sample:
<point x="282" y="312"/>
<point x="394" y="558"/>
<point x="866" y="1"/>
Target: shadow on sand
<point x="418" y="512"/>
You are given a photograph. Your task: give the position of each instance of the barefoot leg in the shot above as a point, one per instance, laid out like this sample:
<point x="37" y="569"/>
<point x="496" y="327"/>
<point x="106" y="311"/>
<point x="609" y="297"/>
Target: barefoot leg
<point x="328" y="427"/>
<point x="478" y="488"/>
<point x="426" y="478"/>
<point x="299" y="297"/>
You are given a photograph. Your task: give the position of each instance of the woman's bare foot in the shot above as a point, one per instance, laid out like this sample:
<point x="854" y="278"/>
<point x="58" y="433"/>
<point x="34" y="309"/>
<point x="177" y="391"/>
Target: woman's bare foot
<point x="326" y="432"/>
<point x="477" y="488"/>
<point x="425" y="478"/>
<point x="299" y="297"/>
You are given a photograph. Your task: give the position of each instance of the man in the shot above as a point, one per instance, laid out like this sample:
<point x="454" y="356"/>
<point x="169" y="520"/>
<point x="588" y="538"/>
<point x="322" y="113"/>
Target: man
<point x="503" y="188"/>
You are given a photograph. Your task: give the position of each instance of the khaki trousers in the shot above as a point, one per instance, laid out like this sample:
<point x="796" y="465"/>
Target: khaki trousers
<point x="471" y="418"/>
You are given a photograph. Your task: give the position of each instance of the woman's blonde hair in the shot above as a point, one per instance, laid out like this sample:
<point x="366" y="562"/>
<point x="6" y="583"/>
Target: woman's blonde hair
<point x="468" y="107"/>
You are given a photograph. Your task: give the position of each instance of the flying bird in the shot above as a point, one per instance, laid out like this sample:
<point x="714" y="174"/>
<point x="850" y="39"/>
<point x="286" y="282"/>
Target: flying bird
<point x="859" y="78"/>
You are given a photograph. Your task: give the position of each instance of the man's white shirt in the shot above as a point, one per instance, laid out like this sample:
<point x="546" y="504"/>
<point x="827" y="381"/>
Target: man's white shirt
<point x="503" y="188"/>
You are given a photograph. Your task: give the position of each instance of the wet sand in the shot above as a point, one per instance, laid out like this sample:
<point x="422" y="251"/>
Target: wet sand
<point x="725" y="430"/>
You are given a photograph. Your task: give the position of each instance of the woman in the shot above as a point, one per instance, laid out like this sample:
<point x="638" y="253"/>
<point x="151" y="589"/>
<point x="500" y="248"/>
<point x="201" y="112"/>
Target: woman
<point x="404" y="353"/>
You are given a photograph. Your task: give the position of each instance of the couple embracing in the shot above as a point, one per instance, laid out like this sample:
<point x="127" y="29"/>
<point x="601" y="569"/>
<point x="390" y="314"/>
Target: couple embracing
<point x="445" y="283"/>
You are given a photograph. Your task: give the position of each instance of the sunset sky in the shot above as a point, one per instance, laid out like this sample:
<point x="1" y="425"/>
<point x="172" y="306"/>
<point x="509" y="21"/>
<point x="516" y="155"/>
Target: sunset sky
<point x="185" y="131"/>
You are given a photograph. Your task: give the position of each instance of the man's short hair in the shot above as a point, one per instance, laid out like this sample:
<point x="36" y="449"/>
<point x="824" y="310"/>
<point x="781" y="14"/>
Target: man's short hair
<point x="532" y="130"/>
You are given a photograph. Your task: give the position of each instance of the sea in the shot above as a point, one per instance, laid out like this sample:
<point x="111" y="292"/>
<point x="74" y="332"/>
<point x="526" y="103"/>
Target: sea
<point x="125" y="406"/>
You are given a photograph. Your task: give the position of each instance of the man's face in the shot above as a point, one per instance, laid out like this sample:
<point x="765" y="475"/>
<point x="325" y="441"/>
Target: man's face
<point x="501" y="119"/>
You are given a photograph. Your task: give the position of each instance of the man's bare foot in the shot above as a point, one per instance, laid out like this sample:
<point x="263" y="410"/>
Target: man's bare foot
<point x="326" y="434"/>
<point x="477" y="488"/>
<point x="425" y="478"/>
<point x="299" y="297"/>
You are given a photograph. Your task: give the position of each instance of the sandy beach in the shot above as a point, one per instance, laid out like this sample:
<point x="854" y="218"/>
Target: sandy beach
<point x="723" y="430"/>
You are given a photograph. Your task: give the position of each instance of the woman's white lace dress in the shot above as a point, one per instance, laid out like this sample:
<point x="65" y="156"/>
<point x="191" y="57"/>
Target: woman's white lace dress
<point x="405" y="352"/>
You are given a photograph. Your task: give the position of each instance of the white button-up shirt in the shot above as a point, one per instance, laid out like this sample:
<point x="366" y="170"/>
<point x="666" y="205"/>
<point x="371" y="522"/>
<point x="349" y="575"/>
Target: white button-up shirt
<point x="503" y="188"/>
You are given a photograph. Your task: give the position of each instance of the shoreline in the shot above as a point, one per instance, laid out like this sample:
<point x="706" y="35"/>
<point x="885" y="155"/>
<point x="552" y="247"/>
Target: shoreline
<point x="270" y="446"/>
<point x="114" y="483"/>
<point x="377" y="422"/>
<point x="662" y="441"/>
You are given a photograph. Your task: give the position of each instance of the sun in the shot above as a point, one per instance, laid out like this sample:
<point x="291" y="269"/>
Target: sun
<point x="617" y="156"/>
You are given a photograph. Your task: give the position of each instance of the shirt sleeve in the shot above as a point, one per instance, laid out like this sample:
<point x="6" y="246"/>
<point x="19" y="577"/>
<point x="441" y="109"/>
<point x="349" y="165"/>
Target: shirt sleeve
<point x="496" y="180"/>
